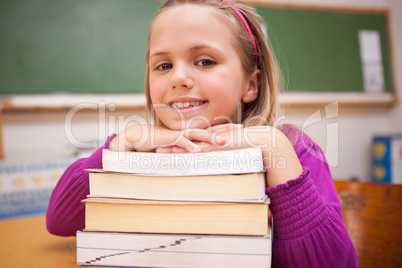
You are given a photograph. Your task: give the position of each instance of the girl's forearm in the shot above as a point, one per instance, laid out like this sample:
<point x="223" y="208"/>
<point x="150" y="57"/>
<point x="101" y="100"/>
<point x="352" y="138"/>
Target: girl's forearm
<point x="66" y="213"/>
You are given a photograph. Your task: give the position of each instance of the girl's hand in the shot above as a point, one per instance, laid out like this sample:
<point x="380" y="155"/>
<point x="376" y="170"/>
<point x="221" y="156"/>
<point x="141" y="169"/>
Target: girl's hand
<point x="145" y="138"/>
<point x="215" y="141"/>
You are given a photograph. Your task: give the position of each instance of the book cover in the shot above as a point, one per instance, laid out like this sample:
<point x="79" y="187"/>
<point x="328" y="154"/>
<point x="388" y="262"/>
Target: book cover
<point x="163" y="250"/>
<point x="387" y="159"/>
<point x="149" y="216"/>
<point x="248" y="160"/>
<point x="226" y="187"/>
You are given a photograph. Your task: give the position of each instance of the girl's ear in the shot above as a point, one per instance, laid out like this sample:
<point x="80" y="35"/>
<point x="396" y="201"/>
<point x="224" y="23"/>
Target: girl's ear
<point x="251" y="92"/>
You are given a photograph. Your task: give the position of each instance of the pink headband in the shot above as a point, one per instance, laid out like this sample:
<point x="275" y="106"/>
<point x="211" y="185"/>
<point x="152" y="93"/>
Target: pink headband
<point x="247" y="27"/>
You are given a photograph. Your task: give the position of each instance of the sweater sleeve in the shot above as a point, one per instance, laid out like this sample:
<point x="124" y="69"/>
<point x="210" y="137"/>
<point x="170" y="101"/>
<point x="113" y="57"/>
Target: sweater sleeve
<point x="307" y="216"/>
<point x="66" y="213"/>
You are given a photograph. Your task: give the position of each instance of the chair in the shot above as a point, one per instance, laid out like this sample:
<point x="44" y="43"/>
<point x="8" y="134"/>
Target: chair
<point x="372" y="213"/>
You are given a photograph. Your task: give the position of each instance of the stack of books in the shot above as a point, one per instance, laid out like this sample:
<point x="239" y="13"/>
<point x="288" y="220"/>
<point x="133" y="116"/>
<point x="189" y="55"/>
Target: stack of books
<point x="177" y="210"/>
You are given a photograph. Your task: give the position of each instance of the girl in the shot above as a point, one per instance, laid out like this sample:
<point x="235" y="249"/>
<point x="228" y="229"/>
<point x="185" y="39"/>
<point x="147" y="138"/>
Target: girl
<point x="212" y="84"/>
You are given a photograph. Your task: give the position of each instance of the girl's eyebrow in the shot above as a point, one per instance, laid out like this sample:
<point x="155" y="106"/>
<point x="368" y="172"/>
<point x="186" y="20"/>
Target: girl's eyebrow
<point x="194" y="48"/>
<point x="198" y="47"/>
<point x="158" y="53"/>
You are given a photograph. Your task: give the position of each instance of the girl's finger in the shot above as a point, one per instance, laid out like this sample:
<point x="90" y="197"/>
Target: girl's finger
<point x="171" y="149"/>
<point x="200" y="135"/>
<point x="178" y="150"/>
<point x="188" y="145"/>
<point x="224" y="127"/>
<point x="163" y="150"/>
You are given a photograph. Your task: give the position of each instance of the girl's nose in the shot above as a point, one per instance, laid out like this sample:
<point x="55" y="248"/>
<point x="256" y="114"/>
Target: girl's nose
<point x="181" y="77"/>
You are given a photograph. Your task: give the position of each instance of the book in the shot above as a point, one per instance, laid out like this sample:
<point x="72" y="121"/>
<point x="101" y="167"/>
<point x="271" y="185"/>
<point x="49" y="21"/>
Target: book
<point x="227" y="187"/>
<point x="151" y="216"/>
<point x="164" y="250"/>
<point x="248" y="160"/>
<point x="387" y="159"/>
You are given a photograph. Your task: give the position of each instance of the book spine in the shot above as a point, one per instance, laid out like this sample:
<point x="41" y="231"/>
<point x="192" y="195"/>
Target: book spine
<point x="232" y="162"/>
<point x="223" y="218"/>
<point x="145" y="250"/>
<point x="387" y="159"/>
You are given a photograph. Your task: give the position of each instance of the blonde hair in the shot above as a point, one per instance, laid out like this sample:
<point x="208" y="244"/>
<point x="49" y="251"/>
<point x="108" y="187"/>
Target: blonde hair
<point x="264" y="109"/>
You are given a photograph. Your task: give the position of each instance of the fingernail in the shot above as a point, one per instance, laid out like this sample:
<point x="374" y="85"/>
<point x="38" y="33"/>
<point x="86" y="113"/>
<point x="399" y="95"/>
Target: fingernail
<point x="239" y="125"/>
<point x="220" y="139"/>
<point x="195" y="148"/>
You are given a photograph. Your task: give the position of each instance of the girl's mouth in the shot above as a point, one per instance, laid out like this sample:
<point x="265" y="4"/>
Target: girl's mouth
<point x="186" y="104"/>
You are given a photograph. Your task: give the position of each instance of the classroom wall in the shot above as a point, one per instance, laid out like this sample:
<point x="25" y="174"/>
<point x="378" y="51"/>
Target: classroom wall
<point x="395" y="122"/>
<point x="29" y="135"/>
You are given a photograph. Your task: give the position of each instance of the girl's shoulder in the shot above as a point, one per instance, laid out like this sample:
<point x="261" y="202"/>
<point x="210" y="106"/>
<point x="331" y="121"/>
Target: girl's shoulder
<point x="307" y="150"/>
<point x="296" y="135"/>
<point x="300" y="140"/>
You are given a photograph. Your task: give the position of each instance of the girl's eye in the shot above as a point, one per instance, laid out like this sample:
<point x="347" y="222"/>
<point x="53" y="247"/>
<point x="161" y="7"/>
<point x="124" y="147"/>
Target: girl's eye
<point x="164" y="66"/>
<point x="206" y="63"/>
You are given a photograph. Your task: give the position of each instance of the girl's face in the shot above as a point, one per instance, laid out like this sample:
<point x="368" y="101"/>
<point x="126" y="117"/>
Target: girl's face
<point x="196" y="78"/>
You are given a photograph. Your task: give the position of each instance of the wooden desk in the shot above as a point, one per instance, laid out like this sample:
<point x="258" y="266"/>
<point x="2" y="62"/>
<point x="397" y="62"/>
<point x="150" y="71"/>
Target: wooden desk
<point x="372" y="213"/>
<point x="25" y="242"/>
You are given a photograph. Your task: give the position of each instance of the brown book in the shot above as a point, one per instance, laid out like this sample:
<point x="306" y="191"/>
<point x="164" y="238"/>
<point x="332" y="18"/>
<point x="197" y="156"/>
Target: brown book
<point x="230" y="187"/>
<point x="150" y="216"/>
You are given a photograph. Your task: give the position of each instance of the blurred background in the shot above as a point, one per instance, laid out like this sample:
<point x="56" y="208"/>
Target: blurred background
<point x="71" y="74"/>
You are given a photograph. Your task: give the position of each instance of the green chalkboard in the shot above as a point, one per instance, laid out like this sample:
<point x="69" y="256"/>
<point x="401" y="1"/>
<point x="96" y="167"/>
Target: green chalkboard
<point x="73" y="45"/>
<point x="98" y="46"/>
<point x="319" y="50"/>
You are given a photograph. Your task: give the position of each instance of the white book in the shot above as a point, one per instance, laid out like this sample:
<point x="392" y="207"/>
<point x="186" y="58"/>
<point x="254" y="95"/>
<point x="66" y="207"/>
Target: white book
<point x="248" y="160"/>
<point x="163" y="250"/>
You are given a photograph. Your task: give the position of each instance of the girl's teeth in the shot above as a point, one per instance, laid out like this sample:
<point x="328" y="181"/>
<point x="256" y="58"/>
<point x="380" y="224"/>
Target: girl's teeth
<point x="186" y="104"/>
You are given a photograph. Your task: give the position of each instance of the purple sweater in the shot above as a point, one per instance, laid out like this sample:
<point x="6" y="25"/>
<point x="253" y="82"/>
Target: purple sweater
<point x="309" y="230"/>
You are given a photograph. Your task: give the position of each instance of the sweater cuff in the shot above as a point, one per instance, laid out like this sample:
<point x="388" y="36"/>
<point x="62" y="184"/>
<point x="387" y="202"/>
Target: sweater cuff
<point x="109" y="139"/>
<point x="95" y="160"/>
<point x="296" y="206"/>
